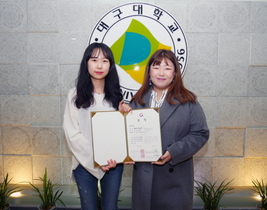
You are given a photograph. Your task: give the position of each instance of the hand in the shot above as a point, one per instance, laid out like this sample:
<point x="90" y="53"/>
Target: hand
<point x="165" y="158"/>
<point x="124" y="107"/>
<point x="111" y="164"/>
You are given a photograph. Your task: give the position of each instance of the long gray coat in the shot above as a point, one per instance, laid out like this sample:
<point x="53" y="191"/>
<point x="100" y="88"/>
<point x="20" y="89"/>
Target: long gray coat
<point x="170" y="187"/>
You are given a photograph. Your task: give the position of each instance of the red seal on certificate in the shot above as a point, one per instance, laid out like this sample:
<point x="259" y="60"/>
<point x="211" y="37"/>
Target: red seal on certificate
<point x="142" y="151"/>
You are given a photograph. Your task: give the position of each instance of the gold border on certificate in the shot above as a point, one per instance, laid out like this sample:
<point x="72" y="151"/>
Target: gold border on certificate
<point x="109" y="137"/>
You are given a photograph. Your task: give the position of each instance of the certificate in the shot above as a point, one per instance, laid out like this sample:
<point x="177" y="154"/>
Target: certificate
<point x="133" y="136"/>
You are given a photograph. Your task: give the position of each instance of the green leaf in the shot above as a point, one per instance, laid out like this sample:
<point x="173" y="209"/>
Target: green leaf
<point x="6" y="189"/>
<point x="210" y="194"/>
<point x="47" y="194"/>
<point x="261" y="189"/>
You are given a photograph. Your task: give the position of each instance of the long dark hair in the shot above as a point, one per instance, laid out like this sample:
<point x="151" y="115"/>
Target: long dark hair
<point x="176" y="90"/>
<point x="84" y="85"/>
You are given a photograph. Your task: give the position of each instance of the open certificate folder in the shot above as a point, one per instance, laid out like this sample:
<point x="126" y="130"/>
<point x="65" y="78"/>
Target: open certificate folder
<point x="133" y="136"/>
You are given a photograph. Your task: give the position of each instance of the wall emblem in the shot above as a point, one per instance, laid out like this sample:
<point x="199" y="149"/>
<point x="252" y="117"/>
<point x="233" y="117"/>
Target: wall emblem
<point x="134" y="31"/>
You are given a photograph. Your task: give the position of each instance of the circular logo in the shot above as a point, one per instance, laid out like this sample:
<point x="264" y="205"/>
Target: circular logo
<point x="134" y="31"/>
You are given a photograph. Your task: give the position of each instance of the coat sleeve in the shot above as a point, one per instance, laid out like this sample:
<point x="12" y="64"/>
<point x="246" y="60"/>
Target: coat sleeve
<point x="195" y="134"/>
<point x="77" y="143"/>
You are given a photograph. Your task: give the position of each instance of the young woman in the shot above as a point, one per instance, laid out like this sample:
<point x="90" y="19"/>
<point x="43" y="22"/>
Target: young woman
<point x="169" y="184"/>
<point x="97" y="89"/>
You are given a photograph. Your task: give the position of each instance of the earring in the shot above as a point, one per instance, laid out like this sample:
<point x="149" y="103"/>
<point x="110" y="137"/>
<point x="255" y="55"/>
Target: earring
<point x="150" y="83"/>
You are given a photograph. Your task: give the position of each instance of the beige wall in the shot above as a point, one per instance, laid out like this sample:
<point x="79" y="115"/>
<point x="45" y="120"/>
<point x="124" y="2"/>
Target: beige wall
<point x="42" y="43"/>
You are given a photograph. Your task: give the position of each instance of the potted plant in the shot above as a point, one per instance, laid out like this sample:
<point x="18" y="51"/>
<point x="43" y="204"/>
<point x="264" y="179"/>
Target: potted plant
<point x="211" y="194"/>
<point x="261" y="189"/>
<point x="5" y="191"/>
<point x="47" y="194"/>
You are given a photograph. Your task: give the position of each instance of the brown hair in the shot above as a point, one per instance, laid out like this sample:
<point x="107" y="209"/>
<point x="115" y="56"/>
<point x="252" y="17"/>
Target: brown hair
<point x="176" y="89"/>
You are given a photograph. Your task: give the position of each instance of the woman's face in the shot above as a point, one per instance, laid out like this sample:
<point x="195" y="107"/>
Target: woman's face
<point x="162" y="75"/>
<point x="98" y="65"/>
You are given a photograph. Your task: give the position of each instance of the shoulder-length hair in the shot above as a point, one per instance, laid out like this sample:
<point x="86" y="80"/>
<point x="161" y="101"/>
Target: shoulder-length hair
<point x="176" y="89"/>
<point x="84" y="85"/>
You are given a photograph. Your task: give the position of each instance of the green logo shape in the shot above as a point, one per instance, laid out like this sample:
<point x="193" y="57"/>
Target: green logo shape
<point x="133" y="49"/>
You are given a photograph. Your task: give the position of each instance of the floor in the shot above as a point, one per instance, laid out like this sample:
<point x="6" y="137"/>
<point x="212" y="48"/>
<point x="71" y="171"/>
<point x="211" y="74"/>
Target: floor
<point x="241" y="198"/>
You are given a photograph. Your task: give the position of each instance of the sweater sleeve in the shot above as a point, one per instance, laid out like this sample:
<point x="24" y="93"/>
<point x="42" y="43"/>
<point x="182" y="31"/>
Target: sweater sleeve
<point x="80" y="147"/>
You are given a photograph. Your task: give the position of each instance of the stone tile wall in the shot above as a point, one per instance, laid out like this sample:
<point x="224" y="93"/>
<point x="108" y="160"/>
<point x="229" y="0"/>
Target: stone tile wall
<point x="42" y="43"/>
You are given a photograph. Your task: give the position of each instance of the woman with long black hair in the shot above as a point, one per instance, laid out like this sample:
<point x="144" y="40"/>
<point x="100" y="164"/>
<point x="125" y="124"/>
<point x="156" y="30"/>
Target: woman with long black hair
<point x="97" y="89"/>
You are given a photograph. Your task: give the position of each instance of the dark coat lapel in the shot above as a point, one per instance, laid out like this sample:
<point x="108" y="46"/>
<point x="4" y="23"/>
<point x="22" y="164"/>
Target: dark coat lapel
<point x="166" y="111"/>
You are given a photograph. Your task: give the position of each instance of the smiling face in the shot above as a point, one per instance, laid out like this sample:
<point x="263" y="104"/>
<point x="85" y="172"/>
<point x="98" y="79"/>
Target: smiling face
<point x="162" y="74"/>
<point x="98" y="66"/>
